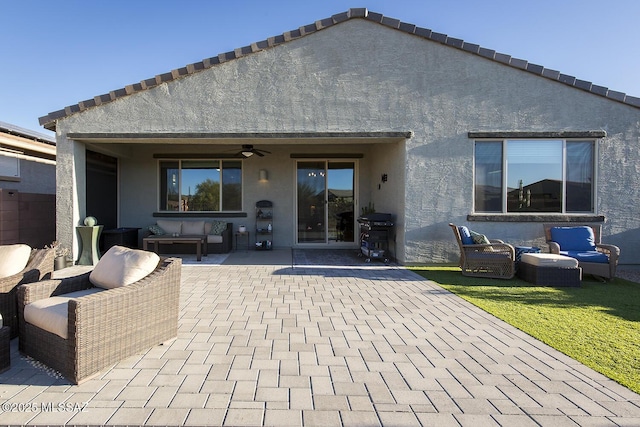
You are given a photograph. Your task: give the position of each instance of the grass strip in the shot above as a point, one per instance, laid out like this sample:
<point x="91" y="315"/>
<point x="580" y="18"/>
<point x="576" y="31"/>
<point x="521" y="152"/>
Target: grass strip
<point x="597" y="324"/>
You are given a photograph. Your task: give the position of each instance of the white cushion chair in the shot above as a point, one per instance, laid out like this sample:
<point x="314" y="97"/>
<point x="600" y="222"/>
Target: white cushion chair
<point x="19" y="264"/>
<point x="80" y="325"/>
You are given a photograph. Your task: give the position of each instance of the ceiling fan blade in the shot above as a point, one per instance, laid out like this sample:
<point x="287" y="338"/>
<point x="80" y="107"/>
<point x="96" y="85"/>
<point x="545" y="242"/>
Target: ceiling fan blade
<point x="258" y="153"/>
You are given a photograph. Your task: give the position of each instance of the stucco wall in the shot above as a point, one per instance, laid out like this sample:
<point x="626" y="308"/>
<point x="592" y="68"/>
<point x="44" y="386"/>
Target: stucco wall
<point x="360" y="76"/>
<point x="35" y="177"/>
<point x="139" y="185"/>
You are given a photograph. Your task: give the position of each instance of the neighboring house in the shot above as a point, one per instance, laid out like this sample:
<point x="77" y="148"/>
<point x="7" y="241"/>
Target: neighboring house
<point x="27" y="186"/>
<point x="412" y="122"/>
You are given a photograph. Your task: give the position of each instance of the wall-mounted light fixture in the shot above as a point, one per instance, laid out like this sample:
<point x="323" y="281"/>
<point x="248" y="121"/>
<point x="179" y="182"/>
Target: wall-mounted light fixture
<point x="264" y="176"/>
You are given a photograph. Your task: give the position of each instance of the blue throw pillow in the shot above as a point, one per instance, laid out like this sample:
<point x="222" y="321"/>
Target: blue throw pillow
<point x="465" y="235"/>
<point x="578" y="239"/>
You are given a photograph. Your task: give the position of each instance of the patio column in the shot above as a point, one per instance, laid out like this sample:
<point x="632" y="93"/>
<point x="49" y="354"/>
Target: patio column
<point x="70" y="189"/>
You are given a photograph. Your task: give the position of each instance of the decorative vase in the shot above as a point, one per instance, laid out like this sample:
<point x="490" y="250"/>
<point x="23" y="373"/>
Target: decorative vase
<point x="59" y="263"/>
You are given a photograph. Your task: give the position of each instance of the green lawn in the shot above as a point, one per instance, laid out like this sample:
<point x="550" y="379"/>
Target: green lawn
<point x="597" y="324"/>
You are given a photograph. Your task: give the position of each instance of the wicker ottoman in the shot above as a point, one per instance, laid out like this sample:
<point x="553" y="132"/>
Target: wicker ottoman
<point x="5" y="348"/>
<point x="550" y="270"/>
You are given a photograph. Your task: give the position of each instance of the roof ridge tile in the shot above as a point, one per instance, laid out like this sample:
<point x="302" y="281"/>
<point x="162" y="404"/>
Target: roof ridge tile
<point x="391" y="22"/>
<point x="49" y="120"/>
<point x="341" y="17"/>
<point x="358" y="12"/>
<point x="375" y="17"/>
<point x="632" y="100"/>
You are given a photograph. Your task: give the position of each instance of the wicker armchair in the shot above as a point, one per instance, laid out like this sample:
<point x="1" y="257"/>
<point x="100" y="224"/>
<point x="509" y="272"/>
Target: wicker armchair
<point x="39" y="267"/>
<point x="104" y="327"/>
<point x="495" y="259"/>
<point x="601" y="261"/>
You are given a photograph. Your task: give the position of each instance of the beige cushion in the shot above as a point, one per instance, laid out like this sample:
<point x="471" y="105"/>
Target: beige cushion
<point x="549" y="260"/>
<point x="170" y="226"/>
<point x="214" y="238"/>
<point x="51" y="314"/>
<point x="122" y="266"/>
<point x="13" y="259"/>
<point x="193" y="227"/>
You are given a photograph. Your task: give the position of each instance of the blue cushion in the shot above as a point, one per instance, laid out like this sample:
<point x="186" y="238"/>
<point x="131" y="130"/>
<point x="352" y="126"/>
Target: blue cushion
<point x="465" y="235"/>
<point x="580" y="239"/>
<point x="587" y="256"/>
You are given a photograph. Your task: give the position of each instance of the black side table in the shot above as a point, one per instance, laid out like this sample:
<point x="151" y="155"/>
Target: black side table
<point x="243" y="233"/>
<point x="123" y="236"/>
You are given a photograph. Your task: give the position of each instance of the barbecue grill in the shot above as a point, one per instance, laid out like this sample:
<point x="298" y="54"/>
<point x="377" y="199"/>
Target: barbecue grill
<point x="375" y="230"/>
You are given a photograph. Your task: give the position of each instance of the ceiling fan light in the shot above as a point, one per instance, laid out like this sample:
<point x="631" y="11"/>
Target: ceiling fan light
<point x="247" y="153"/>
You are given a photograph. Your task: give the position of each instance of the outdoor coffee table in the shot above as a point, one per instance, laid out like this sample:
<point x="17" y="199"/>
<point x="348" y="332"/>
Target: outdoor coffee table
<point x="199" y="240"/>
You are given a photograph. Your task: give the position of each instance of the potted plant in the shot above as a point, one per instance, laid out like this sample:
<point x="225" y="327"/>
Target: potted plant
<point x="61" y="254"/>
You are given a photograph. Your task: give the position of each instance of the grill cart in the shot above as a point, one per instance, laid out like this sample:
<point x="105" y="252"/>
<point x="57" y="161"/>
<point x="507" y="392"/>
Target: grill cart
<point x="375" y="230"/>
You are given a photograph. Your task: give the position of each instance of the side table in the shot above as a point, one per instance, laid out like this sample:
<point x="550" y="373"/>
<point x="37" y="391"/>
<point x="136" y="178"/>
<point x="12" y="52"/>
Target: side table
<point x="5" y="348"/>
<point x="89" y="239"/>
<point x="244" y="234"/>
<point x="123" y="236"/>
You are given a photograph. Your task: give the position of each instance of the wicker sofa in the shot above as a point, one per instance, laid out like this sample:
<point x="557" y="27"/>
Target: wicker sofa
<point x="39" y="267"/>
<point x="218" y="242"/>
<point x="106" y="326"/>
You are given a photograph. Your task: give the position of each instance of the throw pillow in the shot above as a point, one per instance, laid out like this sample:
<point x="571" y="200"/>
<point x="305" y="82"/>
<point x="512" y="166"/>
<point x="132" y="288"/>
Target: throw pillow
<point x="14" y="259"/>
<point x="479" y="239"/>
<point x="217" y="227"/>
<point x="122" y="266"/>
<point x="156" y="230"/>
<point x="465" y="235"/>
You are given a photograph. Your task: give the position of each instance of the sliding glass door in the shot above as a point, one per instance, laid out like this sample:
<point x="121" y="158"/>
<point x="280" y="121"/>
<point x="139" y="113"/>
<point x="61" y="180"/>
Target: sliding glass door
<point x="325" y="202"/>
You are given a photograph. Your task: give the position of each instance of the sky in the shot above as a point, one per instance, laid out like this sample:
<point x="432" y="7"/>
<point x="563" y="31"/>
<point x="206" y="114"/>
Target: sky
<point x="57" y="53"/>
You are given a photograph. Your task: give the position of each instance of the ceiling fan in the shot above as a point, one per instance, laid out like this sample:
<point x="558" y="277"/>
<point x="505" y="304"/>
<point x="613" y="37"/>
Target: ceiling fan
<point x="248" y="151"/>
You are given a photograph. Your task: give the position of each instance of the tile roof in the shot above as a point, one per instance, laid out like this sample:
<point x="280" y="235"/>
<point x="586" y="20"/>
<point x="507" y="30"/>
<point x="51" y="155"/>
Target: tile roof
<point x="49" y="120"/>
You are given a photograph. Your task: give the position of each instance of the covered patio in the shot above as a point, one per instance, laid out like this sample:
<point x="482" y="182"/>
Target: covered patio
<point x="279" y="338"/>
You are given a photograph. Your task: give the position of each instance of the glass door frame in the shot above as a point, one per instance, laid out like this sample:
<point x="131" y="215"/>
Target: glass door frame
<point x="327" y="242"/>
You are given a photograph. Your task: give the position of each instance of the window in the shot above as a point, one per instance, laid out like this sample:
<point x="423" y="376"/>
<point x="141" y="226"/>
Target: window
<point x="9" y="166"/>
<point x="554" y="176"/>
<point x="200" y="185"/>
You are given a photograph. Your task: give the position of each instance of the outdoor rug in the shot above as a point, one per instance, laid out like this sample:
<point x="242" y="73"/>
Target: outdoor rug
<point x="211" y="259"/>
<point x="334" y="258"/>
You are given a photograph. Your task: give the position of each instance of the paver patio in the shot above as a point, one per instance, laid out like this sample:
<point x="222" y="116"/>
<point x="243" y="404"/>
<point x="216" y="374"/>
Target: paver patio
<point x="287" y="345"/>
